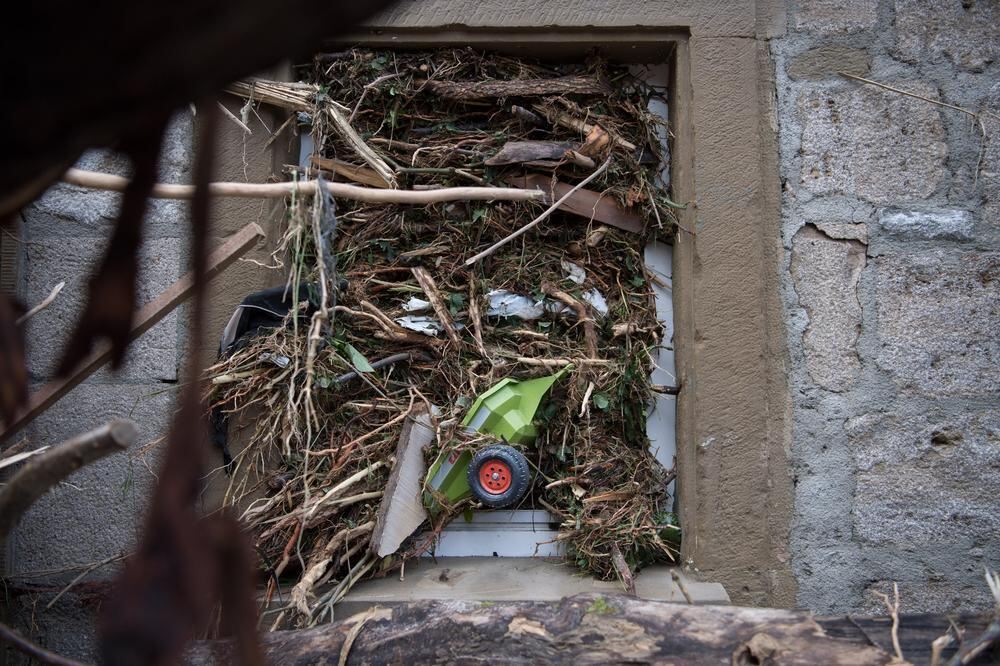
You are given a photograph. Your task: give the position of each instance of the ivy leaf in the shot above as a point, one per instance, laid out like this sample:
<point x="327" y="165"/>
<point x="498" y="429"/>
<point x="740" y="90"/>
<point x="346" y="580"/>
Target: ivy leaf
<point x="600" y="401"/>
<point x="358" y="359"/>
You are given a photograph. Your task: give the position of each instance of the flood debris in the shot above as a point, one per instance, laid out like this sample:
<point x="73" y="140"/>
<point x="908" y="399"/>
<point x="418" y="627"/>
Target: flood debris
<point x="414" y="331"/>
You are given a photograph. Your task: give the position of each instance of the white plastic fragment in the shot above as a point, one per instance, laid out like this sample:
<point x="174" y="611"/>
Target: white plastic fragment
<point x="424" y="324"/>
<point x="421" y="324"/>
<point x="278" y="359"/>
<point x="505" y="303"/>
<point x="416" y="305"/>
<point x="597" y="301"/>
<point x="573" y="271"/>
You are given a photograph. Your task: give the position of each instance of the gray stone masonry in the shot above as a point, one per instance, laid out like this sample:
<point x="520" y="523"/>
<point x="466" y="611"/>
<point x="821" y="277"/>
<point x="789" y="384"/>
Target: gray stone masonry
<point x="891" y="224"/>
<point x="97" y="512"/>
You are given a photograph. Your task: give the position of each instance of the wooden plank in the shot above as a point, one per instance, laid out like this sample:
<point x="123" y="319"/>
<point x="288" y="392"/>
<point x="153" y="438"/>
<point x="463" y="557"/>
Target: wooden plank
<point x="585" y="203"/>
<point x="145" y="318"/>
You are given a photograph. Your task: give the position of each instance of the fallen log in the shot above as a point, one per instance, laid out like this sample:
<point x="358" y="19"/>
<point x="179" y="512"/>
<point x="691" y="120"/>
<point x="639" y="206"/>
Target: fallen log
<point x="585" y="629"/>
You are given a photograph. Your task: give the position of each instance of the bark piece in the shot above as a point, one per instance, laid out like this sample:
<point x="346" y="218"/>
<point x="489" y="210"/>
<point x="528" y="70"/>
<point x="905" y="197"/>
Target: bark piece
<point x="517" y="152"/>
<point x="585" y="203"/>
<point x="566" y="85"/>
<point x="585" y="629"/>
<point x="358" y="174"/>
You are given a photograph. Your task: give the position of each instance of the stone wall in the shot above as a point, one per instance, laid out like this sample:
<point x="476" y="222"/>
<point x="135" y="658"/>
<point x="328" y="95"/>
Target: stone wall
<point x="891" y="229"/>
<point x="97" y="513"/>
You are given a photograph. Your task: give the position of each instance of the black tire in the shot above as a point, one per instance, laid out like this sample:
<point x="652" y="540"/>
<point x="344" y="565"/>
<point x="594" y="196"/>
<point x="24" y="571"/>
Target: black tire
<point x="504" y="457"/>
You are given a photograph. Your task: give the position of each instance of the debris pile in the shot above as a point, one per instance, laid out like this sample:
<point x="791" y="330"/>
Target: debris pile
<point x="406" y="314"/>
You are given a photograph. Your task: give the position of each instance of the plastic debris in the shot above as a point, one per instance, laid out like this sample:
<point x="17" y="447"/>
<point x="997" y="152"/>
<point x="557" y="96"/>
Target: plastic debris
<point x="596" y="301"/>
<point x="416" y="305"/>
<point x="573" y="271"/>
<point x="424" y="324"/>
<point x="279" y="360"/>
<point x="505" y="303"/>
<point x="421" y="324"/>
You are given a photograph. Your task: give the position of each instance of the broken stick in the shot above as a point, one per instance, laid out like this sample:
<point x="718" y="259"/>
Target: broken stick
<point x="45" y="302"/>
<point x="44" y="471"/>
<point x="589" y="331"/>
<point x="106" y="181"/>
<point x="538" y="220"/>
<point x="434" y="296"/>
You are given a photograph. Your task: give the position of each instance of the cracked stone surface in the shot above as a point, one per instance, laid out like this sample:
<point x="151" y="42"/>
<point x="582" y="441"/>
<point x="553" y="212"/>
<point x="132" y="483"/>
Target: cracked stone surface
<point x="880" y="146"/>
<point x="826" y="273"/>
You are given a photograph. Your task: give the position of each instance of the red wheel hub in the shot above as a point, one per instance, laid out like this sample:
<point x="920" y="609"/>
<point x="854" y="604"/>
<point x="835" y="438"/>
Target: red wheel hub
<point x="495" y="476"/>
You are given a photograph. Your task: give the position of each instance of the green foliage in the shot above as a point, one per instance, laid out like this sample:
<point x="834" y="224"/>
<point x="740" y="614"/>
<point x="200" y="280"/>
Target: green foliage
<point x="357" y="359"/>
<point x="456" y="302"/>
<point x="600" y="606"/>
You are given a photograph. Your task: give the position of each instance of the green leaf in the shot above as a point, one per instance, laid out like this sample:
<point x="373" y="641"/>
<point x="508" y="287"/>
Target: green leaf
<point x="456" y="302"/>
<point x="358" y="359"/>
<point x="637" y="280"/>
<point x="323" y="382"/>
<point x="478" y="214"/>
<point x="601" y="401"/>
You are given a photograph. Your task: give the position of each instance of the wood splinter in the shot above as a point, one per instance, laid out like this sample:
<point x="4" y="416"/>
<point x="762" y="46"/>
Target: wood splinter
<point x="589" y="330"/>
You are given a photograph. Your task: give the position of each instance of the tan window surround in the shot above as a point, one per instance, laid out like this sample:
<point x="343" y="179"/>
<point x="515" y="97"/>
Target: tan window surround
<point x="733" y="484"/>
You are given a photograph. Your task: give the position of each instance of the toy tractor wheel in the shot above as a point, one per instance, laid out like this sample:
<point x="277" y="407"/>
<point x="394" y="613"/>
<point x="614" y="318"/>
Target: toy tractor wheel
<point x="498" y="476"/>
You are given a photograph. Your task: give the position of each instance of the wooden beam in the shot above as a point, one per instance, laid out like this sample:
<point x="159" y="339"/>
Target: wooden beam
<point x="146" y="317"/>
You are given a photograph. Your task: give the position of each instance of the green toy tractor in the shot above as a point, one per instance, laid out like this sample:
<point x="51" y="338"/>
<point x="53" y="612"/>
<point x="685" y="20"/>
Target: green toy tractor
<point x="496" y="475"/>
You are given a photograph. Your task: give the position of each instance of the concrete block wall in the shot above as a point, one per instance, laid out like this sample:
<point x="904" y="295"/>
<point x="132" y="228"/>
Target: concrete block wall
<point x="97" y="512"/>
<point x="891" y="230"/>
